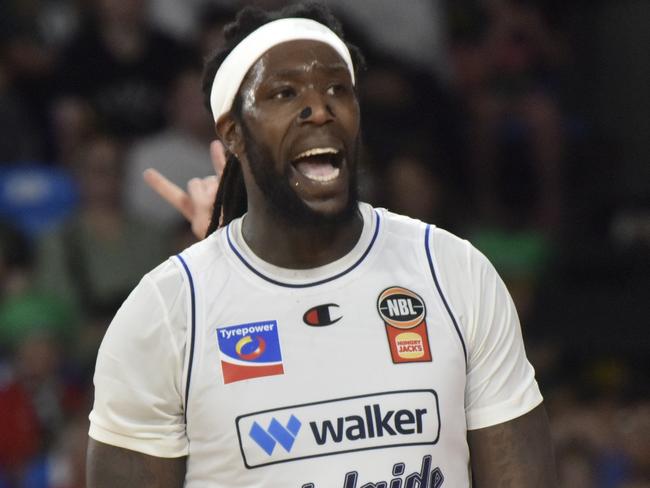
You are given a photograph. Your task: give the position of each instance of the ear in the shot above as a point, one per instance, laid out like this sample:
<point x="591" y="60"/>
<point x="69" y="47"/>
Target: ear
<point x="229" y="133"/>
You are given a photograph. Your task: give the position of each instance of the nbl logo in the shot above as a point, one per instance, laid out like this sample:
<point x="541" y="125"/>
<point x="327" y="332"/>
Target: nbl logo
<point x="403" y="312"/>
<point x="401" y="308"/>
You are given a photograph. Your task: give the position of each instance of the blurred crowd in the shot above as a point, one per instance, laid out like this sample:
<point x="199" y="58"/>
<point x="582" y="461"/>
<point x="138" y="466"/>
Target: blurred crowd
<point x="483" y="127"/>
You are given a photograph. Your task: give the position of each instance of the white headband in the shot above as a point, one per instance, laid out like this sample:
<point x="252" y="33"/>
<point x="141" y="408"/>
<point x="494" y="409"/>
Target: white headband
<point x="233" y="70"/>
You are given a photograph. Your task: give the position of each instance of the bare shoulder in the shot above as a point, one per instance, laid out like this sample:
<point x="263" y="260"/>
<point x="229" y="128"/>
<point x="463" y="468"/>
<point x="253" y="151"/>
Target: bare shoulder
<point x="110" y="466"/>
<point x="514" y="454"/>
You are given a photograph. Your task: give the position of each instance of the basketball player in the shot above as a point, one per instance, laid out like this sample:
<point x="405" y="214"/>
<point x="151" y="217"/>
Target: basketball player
<point x="311" y="341"/>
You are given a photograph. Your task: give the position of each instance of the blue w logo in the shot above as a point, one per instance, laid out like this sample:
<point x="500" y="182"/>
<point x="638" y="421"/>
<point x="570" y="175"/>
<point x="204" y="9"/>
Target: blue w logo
<point x="275" y="434"/>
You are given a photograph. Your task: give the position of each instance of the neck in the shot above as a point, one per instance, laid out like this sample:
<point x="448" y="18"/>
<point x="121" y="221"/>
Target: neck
<point x="281" y="243"/>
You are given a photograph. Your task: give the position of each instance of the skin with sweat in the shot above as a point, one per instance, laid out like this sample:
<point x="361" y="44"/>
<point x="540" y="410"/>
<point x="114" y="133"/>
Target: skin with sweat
<point x="282" y="83"/>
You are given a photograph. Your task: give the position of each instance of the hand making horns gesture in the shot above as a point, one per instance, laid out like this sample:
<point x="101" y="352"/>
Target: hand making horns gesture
<point x="195" y="204"/>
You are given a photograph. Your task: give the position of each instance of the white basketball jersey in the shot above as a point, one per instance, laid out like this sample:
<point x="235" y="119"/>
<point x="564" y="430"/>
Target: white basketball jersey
<point x="350" y="375"/>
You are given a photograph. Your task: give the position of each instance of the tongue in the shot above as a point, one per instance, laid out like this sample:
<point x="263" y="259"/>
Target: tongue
<point x="315" y="169"/>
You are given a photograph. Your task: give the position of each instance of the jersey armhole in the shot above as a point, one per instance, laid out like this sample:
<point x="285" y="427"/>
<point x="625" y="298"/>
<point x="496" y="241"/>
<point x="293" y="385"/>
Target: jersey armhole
<point x="191" y="330"/>
<point x="435" y="275"/>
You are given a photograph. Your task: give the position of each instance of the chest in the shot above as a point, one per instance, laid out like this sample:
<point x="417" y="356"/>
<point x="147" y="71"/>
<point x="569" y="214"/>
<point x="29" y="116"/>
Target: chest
<point x="298" y="374"/>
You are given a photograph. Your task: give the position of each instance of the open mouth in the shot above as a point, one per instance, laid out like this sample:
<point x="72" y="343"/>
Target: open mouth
<point x="321" y="164"/>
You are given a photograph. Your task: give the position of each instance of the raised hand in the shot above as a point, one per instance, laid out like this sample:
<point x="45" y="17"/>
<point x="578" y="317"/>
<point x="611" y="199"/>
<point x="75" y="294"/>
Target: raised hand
<point x="196" y="203"/>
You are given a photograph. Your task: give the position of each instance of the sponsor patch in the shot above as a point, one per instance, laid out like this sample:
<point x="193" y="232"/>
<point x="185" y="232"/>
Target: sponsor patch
<point x="403" y="313"/>
<point x="249" y="351"/>
<point x="322" y="315"/>
<point x="359" y="423"/>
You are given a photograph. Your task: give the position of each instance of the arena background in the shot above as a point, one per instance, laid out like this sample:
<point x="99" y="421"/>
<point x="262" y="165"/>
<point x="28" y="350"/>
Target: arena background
<point x="522" y="125"/>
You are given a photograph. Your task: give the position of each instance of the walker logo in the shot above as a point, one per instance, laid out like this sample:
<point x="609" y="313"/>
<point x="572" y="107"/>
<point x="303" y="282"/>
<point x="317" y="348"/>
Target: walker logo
<point x="249" y="351"/>
<point x="276" y="433"/>
<point x="376" y="421"/>
<point x="403" y="312"/>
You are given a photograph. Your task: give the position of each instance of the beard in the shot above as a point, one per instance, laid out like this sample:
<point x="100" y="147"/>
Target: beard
<point x="283" y="200"/>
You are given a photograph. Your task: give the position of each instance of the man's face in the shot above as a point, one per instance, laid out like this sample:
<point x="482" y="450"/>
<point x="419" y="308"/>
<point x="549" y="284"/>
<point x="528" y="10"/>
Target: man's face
<point x="300" y="125"/>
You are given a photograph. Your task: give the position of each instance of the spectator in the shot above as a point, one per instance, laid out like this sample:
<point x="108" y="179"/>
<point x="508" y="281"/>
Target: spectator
<point x="504" y="71"/>
<point x="35" y="397"/>
<point x="212" y="20"/>
<point x="15" y="261"/>
<point x="64" y="465"/>
<point x="30" y="35"/>
<point x="20" y="138"/>
<point x="180" y="152"/>
<point x="417" y="182"/>
<point x="577" y="465"/>
<point x="121" y="65"/>
<point x="98" y="255"/>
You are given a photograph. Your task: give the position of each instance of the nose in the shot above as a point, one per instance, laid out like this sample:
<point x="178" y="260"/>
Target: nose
<point x="316" y="110"/>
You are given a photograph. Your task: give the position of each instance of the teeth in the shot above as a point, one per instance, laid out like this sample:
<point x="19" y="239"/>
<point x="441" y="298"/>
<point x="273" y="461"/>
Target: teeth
<point x="320" y="172"/>
<point x="325" y="178"/>
<point x="316" y="151"/>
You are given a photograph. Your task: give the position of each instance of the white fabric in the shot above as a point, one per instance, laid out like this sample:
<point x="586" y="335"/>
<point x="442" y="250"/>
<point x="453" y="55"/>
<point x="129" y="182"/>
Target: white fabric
<point x="143" y="361"/>
<point x="500" y="382"/>
<point x="139" y="372"/>
<point x="233" y="70"/>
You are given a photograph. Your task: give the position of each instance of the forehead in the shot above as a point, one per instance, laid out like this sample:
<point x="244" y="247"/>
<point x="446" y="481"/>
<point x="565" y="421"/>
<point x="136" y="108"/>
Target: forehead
<point x="298" y="55"/>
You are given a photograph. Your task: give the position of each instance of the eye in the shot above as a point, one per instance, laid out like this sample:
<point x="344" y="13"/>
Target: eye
<point x="336" y="89"/>
<point x="283" y="93"/>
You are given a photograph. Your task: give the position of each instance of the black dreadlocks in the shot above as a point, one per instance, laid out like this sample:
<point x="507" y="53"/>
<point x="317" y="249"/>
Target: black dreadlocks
<point x="231" y="200"/>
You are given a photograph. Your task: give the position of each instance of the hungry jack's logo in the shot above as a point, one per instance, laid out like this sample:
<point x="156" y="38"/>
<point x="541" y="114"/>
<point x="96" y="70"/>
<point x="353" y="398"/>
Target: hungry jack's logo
<point x="403" y="313"/>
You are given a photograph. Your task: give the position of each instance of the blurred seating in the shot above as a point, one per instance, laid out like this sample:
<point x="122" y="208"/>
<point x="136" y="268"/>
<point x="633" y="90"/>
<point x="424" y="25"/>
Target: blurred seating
<point x="99" y="254"/>
<point x="36" y="197"/>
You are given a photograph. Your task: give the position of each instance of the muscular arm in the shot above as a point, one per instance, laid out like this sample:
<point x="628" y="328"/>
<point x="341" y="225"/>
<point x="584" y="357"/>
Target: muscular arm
<point x="514" y="454"/>
<point x="109" y="466"/>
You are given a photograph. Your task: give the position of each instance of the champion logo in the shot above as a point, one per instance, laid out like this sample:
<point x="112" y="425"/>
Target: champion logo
<point x="322" y="315"/>
<point x="275" y="434"/>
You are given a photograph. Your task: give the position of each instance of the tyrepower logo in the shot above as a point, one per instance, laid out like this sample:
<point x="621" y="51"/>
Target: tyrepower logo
<point x="374" y="421"/>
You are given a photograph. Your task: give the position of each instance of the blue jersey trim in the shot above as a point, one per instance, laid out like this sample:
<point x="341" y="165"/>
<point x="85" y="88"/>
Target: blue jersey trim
<point x="444" y="300"/>
<point x="193" y="312"/>
<point x="314" y="283"/>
